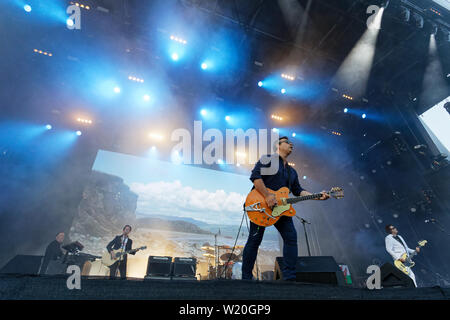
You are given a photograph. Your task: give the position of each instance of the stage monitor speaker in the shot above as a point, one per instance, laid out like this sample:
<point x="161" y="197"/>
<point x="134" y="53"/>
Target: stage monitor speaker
<point x="159" y="266"/>
<point x="184" y="267"/>
<point x="323" y="269"/>
<point x="22" y="264"/>
<point x="56" y="267"/>
<point x="393" y="277"/>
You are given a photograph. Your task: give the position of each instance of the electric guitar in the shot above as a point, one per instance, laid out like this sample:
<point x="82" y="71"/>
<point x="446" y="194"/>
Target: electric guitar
<point x="402" y="266"/>
<point x="261" y="214"/>
<point x="118" y="255"/>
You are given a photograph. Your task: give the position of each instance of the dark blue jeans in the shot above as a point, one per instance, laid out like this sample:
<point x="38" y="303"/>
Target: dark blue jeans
<point x="285" y="226"/>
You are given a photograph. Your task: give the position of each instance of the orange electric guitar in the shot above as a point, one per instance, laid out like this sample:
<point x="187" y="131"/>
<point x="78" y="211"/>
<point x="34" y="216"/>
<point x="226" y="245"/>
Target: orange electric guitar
<point x="261" y="214"/>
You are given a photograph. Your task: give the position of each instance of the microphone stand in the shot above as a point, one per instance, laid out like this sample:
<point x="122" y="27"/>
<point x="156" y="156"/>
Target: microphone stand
<point x="303" y="221"/>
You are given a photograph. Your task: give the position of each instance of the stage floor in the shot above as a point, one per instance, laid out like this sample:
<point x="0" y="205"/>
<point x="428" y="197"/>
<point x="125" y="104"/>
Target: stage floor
<point x="55" y="288"/>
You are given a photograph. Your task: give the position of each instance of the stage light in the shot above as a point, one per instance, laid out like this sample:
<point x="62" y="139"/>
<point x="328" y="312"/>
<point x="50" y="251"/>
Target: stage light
<point x="238" y="164"/>
<point x="363" y="116"/>
<point x="69" y="22"/>
<point x="260" y="84"/>
<point x="418" y="20"/>
<point x="153" y="148"/>
<point x="203" y="112"/>
<point x="155" y="136"/>
<point x="78" y="133"/>
<point x="45" y="53"/>
<point x="178" y="39"/>
<point x="405" y="13"/>
<point x="347" y="97"/>
<point x="345" y="110"/>
<point x="175" y="56"/>
<point x="294" y="134"/>
<point x="434" y="29"/>
<point x="395" y="215"/>
<point x="220" y="161"/>
<point x="283" y="91"/>
<point x="117" y="90"/>
<point x="288" y="77"/>
<point x="146" y="97"/>
<point x="291" y="164"/>
<point x="274" y="116"/>
<point x="84" y="120"/>
<point x="132" y="78"/>
<point x="204" y="66"/>
<point x="227" y="118"/>
<point x="27" y="8"/>
<point x="305" y="177"/>
<point x="48" y="127"/>
<point x="275" y="130"/>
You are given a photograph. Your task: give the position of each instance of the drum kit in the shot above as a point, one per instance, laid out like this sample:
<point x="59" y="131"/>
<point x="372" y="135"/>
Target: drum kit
<point x="224" y="262"/>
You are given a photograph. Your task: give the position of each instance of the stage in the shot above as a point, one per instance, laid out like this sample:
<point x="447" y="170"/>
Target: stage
<point x="22" y="287"/>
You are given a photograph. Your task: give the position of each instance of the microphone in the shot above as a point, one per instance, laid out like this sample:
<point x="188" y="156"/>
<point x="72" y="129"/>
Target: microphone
<point x="430" y="220"/>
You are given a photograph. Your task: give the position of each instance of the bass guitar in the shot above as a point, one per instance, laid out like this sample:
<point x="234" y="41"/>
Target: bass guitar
<point x="109" y="258"/>
<point x="261" y="214"/>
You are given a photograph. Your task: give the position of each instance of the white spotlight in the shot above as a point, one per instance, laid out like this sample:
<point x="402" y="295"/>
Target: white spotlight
<point x="117" y="90"/>
<point x="27" y="8"/>
<point x="78" y="133"/>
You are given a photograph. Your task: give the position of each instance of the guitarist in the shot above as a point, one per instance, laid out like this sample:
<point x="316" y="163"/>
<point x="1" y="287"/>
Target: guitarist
<point x="284" y="176"/>
<point x="396" y="247"/>
<point x="121" y="242"/>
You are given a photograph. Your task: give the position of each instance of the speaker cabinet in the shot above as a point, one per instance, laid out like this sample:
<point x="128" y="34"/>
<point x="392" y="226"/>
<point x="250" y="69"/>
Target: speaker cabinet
<point x="322" y="269"/>
<point x="392" y="277"/>
<point x="22" y="264"/>
<point x="159" y="267"/>
<point x="184" y="267"/>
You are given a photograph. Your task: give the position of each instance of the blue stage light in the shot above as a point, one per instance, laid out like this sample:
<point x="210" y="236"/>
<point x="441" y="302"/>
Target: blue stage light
<point x="227" y="118"/>
<point x="294" y="134"/>
<point x="304" y="177"/>
<point x="146" y="97"/>
<point x="203" y="112"/>
<point x="204" y="66"/>
<point x="48" y="127"/>
<point x="346" y="110"/>
<point x="69" y="22"/>
<point x="220" y="161"/>
<point x="78" y="133"/>
<point x="275" y="130"/>
<point x="27" y="8"/>
<point x="116" y="89"/>
<point x="260" y="84"/>
<point x="175" y="56"/>
<point x="283" y="91"/>
<point x="363" y="116"/>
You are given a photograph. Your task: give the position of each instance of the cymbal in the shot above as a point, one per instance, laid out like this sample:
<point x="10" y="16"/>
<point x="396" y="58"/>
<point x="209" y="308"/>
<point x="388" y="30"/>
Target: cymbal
<point x="207" y="248"/>
<point x="208" y="255"/>
<point x="229" y="256"/>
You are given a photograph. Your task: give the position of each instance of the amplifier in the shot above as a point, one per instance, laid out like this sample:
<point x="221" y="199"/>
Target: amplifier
<point x="184" y="267"/>
<point x="159" y="266"/>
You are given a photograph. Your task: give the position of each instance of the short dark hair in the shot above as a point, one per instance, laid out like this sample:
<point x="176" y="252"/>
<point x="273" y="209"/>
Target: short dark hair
<point x="59" y="233"/>
<point x="277" y="142"/>
<point x="127" y="225"/>
<point x="388" y="228"/>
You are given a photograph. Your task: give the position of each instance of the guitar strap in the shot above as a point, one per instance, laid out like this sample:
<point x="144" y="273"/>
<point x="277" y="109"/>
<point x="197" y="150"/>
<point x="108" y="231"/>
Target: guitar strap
<point x="288" y="168"/>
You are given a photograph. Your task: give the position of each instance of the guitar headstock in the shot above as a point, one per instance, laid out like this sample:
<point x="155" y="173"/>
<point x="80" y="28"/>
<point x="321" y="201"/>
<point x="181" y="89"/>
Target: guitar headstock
<point x="336" y="192"/>
<point x="422" y="243"/>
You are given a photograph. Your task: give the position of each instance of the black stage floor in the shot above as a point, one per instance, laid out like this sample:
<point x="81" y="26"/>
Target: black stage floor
<point x="51" y="288"/>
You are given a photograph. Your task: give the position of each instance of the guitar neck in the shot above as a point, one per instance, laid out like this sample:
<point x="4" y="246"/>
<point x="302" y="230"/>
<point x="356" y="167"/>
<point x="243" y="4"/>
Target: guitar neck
<point x="303" y="198"/>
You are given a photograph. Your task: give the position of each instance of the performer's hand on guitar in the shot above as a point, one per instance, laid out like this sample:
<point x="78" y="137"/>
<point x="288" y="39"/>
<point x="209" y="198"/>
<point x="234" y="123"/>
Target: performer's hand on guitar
<point x="402" y="260"/>
<point x="271" y="200"/>
<point x="417" y="249"/>
<point x="324" y="196"/>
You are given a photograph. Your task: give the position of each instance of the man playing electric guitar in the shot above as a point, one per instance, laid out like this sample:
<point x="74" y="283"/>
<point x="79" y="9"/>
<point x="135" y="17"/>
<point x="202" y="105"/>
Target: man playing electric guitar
<point x="285" y="176"/>
<point x="396" y="247"/>
<point x="122" y="242"/>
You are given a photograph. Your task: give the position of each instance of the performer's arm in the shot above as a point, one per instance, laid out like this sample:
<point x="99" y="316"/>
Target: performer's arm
<point x="110" y="245"/>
